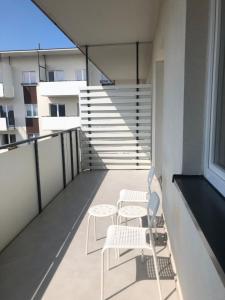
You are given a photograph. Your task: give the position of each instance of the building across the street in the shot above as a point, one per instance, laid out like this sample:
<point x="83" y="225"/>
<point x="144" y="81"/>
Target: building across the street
<point x="39" y="91"/>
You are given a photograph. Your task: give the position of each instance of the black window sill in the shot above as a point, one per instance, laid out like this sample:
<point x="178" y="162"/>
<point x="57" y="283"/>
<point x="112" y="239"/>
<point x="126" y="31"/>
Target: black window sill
<point x="207" y="209"/>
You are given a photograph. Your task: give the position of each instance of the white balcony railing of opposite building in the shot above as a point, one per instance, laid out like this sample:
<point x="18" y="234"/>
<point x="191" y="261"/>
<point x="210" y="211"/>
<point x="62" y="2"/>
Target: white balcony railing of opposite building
<point x="3" y="124"/>
<point x="60" y="123"/>
<point x="61" y="88"/>
<point x="6" y="90"/>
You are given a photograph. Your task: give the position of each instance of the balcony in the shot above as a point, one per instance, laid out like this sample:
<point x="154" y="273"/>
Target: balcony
<point x="61" y="88"/>
<point x="48" y="261"/>
<point x="59" y="123"/>
<point x="3" y="124"/>
<point x="6" y="125"/>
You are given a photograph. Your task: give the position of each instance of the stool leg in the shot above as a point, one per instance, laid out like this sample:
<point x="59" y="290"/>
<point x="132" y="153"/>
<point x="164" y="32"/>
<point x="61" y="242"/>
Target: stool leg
<point x="108" y="259"/>
<point x="112" y="220"/>
<point x="102" y="275"/>
<point x="95" y="229"/>
<point x="87" y="237"/>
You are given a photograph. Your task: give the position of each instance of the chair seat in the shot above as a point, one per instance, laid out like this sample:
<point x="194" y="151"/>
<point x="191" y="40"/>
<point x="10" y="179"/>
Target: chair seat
<point x="132" y="211"/>
<point x="126" y="237"/>
<point x="133" y="196"/>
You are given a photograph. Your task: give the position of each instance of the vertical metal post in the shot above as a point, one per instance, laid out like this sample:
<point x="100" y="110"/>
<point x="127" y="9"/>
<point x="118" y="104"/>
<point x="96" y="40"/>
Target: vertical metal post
<point x="77" y="151"/>
<point x="88" y="98"/>
<point x="38" y="176"/>
<point x="137" y="97"/>
<point x="63" y="160"/>
<point x="71" y="155"/>
<point x="46" y="75"/>
<point x="87" y="65"/>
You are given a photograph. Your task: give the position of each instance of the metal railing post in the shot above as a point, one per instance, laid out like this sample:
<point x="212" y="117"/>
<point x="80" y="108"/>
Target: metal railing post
<point x="71" y="155"/>
<point x="77" y="151"/>
<point x="38" y="176"/>
<point x="63" y="160"/>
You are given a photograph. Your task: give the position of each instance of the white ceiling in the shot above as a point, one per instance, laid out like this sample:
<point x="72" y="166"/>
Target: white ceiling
<point x="91" y="22"/>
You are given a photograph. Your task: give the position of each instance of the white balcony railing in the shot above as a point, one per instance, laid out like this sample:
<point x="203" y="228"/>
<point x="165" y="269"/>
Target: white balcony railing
<point x="3" y="124"/>
<point x="61" y="88"/>
<point x="6" y="90"/>
<point x="60" y="123"/>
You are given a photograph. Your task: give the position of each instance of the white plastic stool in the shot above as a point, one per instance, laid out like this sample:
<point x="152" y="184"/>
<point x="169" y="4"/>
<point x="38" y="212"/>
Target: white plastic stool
<point x="99" y="211"/>
<point x="131" y="212"/>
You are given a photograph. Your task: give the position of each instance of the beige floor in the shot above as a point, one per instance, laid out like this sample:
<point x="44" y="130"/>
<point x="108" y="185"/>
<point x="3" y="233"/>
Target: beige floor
<point x="47" y="261"/>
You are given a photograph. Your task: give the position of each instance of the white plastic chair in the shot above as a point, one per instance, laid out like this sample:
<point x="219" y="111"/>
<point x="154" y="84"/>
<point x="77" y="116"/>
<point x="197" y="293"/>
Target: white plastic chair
<point x="127" y="237"/>
<point x="136" y="196"/>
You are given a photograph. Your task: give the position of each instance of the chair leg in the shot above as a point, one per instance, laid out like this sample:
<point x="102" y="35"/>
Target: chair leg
<point x="87" y="236"/>
<point x="113" y="223"/>
<point x="102" y="275"/>
<point x="108" y="259"/>
<point x="156" y="271"/>
<point x="140" y="222"/>
<point x="95" y="229"/>
<point x="142" y="255"/>
<point x="156" y="231"/>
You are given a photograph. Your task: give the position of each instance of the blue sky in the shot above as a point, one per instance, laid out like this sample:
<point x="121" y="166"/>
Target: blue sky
<point x="23" y="26"/>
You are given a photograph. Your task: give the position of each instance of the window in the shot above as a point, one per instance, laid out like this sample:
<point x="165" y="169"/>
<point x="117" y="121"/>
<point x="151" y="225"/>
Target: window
<point x="56" y="75"/>
<point x="57" y="110"/>
<point x="80" y="75"/>
<point x="31" y="110"/>
<point x="215" y="122"/>
<point x="29" y="77"/>
<point x="6" y="111"/>
<point x="8" y="139"/>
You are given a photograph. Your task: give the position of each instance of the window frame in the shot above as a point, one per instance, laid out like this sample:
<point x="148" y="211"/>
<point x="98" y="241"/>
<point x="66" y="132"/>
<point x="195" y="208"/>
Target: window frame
<point x="83" y="74"/>
<point x="32" y="110"/>
<point x="29" y="81"/>
<point x="55" y="72"/>
<point x="57" y="109"/>
<point x="214" y="174"/>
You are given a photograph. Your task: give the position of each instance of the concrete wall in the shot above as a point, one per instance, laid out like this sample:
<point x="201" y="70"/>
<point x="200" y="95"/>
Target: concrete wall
<point x="180" y="42"/>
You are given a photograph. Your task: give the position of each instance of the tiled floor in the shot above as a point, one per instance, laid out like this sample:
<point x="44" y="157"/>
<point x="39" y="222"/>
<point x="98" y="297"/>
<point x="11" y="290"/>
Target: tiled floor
<point x="48" y="261"/>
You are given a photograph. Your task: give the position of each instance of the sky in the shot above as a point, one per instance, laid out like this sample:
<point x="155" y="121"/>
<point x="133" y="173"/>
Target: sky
<point x="23" y="26"/>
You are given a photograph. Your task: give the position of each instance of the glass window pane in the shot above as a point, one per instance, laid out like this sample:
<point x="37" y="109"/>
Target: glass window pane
<point x="219" y="134"/>
<point x="59" y="75"/>
<point x="61" y="110"/>
<point x="32" y="77"/>
<point x="78" y="75"/>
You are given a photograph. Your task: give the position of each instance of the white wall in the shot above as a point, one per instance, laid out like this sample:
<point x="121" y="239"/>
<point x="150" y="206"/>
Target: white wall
<point x="181" y="46"/>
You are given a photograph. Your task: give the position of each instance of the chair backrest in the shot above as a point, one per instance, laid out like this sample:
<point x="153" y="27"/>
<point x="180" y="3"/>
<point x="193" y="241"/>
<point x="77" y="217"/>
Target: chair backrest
<point x="153" y="206"/>
<point x="151" y="174"/>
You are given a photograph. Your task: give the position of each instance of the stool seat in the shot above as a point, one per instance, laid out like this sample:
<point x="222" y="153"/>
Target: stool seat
<point x="102" y="210"/>
<point x="133" y="211"/>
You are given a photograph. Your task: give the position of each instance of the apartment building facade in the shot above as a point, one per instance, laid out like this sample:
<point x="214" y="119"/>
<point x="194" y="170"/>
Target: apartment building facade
<point x="39" y="91"/>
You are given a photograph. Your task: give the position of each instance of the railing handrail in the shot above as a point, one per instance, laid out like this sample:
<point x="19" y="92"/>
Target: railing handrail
<point x="27" y="141"/>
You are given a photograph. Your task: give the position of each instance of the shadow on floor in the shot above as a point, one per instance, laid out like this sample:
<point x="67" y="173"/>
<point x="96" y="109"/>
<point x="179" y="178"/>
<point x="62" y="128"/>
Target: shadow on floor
<point x="28" y="264"/>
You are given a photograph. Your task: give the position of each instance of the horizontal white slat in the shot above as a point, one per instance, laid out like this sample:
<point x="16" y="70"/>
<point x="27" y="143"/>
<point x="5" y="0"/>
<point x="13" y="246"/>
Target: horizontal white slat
<point x="116" y="115"/>
<point x="114" y="108"/>
<point x="119" y="167"/>
<point x="117" y="87"/>
<point x="124" y="121"/>
<point x="114" y="142"/>
<point x="116" y="148"/>
<point x="116" y="155"/>
<point x="115" y="94"/>
<point x="117" y="135"/>
<point x="115" y="101"/>
<point x="116" y="128"/>
<point x="118" y="161"/>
